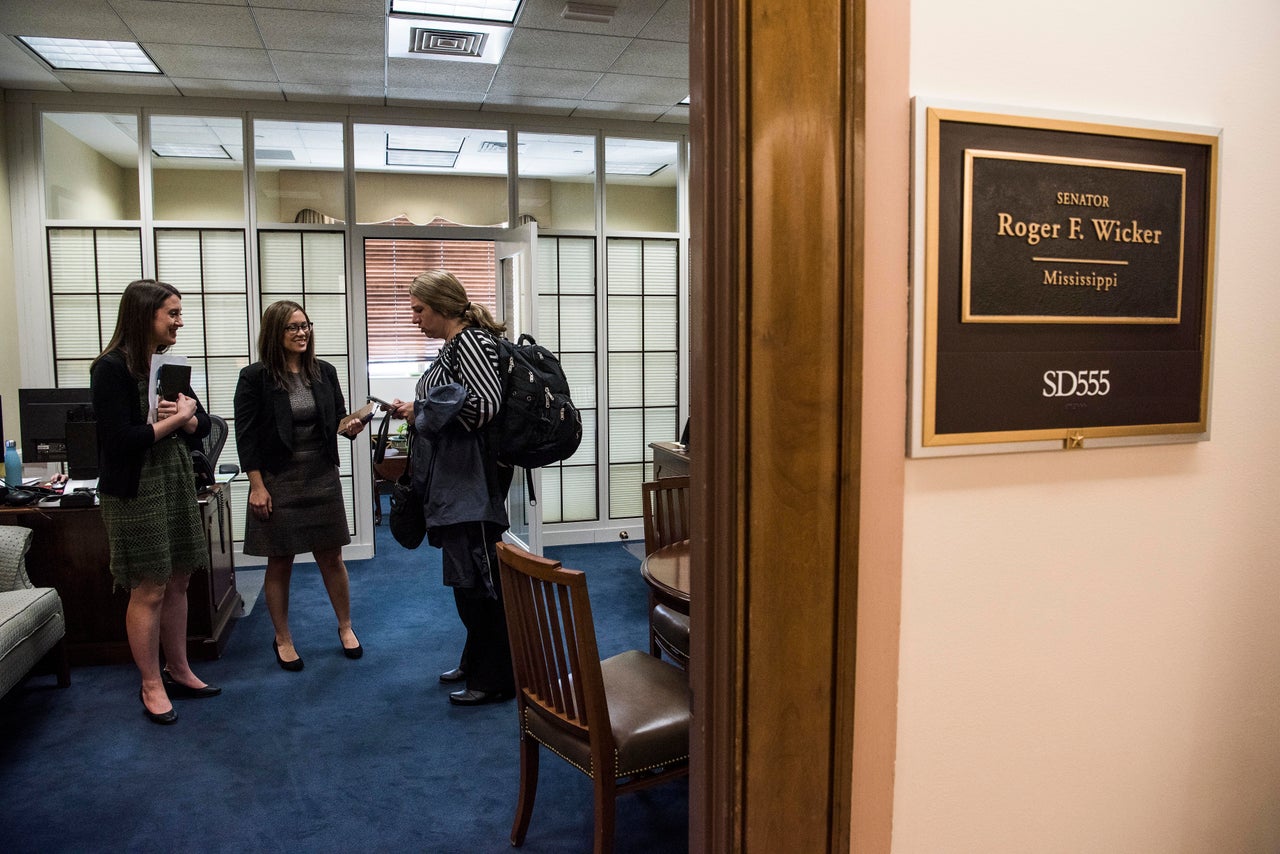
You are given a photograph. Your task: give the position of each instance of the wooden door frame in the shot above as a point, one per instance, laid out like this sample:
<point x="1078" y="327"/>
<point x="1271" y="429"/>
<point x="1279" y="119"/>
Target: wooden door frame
<point x="793" y="291"/>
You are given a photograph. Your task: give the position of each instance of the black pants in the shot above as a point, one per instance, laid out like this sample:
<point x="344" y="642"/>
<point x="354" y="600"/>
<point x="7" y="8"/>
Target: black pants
<point x="486" y="657"/>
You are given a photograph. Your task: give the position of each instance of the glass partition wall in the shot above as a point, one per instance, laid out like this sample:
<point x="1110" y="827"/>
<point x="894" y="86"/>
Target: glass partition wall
<point x="239" y="211"/>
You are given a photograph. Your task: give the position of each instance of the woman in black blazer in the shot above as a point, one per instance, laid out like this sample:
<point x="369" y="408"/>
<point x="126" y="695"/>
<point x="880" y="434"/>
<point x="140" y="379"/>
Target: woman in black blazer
<point x="288" y="407"/>
<point x="147" y="491"/>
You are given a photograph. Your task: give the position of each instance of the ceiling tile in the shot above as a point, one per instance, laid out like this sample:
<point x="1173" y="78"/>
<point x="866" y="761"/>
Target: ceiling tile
<point x="197" y="88"/>
<point x="300" y="67"/>
<point x="670" y="23"/>
<point x="130" y="84"/>
<point x="440" y="74"/>
<point x="578" y="51"/>
<point x="534" y="106"/>
<point x="212" y="63"/>
<point x="409" y="97"/>
<point x="610" y="110"/>
<point x="633" y="89"/>
<point x="326" y="32"/>
<point x="542" y="82"/>
<point x="655" y="58"/>
<point x="360" y="7"/>
<point x="189" y="23"/>
<point x="20" y="70"/>
<point x="678" y="114"/>
<point x="629" y="19"/>
<point x="68" y="19"/>
<point x="328" y="92"/>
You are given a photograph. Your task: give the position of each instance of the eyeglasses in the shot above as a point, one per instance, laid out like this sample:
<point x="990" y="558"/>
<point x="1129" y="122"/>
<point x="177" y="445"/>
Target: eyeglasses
<point x="295" y="328"/>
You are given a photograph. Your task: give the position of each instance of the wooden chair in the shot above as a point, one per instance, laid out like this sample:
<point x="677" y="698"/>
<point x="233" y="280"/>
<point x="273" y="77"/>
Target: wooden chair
<point x="624" y="721"/>
<point x="666" y="521"/>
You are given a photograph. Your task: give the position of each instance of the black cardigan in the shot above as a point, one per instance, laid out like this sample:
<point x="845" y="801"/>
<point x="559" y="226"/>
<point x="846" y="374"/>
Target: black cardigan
<point x="123" y="432"/>
<point x="264" y="419"/>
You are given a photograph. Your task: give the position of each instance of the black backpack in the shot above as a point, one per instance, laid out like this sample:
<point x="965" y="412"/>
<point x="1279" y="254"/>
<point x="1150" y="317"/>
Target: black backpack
<point x="537" y="423"/>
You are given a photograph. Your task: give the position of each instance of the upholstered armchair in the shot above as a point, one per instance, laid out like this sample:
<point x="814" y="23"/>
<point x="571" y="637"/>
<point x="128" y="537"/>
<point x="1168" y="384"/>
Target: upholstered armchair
<point x="32" y="626"/>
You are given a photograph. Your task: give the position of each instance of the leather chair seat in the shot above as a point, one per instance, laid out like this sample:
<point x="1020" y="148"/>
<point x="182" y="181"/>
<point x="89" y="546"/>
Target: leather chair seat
<point x="671" y="628"/>
<point x="648" y="711"/>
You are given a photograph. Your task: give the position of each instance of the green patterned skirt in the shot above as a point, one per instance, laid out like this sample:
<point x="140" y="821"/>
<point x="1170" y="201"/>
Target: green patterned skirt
<point x="159" y="532"/>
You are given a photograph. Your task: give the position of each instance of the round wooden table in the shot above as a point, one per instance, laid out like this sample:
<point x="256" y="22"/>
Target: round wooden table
<point x="666" y="571"/>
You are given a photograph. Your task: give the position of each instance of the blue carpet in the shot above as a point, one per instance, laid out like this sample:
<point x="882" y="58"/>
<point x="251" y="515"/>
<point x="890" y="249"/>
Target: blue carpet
<point x="363" y="755"/>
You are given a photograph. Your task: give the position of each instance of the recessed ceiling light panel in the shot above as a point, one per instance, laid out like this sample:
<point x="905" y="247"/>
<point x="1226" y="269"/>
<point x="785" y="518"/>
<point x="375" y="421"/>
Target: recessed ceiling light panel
<point x="503" y="11"/>
<point x="90" y="55"/>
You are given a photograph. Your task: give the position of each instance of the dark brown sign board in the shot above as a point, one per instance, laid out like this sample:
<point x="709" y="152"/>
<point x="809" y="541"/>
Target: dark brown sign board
<point x="1062" y="282"/>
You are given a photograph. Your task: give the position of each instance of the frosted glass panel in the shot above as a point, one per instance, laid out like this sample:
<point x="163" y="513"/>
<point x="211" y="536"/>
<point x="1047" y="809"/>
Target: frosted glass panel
<point x="178" y="259"/>
<point x="340" y="365"/>
<point x="626" y="435"/>
<point x="549" y="323"/>
<point x="224" y="269"/>
<point x="108" y="309"/>
<point x="578" y="323"/>
<point x="75" y="330"/>
<point x="586" y="453"/>
<point x="223" y="374"/>
<point x="325" y="265"/>
<point x="580" y="370"/>
<point x="660" y="274"/>
<point x="624" y="491"/>
<point x="239" y="504"/>
<point x="191" y="336"/>
<point x="659" y="426"/>
<point x="226" y="325"/>
<point x="660" y="379"/>
<point x="578" y="493"/>
<point x="119" y="258"/>
<point x="74" y="374"/>
<point x="625" y="272"/>
<point x="71" y="260"/>
<point x="280" y="261"/>
<point x="660" y="323"/>
<point x="344" y="459"/>
<point x="578" y="266"/>
<point x="625" y="385"/>
<point x="329" y="313"/>
<point x="549" y="494"/>
<point x="626" y="324"/>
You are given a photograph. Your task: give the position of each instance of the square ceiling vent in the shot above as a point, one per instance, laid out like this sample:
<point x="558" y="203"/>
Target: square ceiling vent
<point x="421" y="37"/>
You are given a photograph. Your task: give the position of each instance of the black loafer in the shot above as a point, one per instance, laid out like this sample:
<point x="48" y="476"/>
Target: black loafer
<point x="292" y="666"/>
<point x="472" y="697"/>
<point x="178" y="691"/>
<point x="457" y="674"/>
<point x="169" y="717"/>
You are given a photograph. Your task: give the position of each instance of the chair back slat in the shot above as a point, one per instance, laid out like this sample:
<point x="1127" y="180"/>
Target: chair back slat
<point x="554" y="654"/>
<point x="666" y="512"/>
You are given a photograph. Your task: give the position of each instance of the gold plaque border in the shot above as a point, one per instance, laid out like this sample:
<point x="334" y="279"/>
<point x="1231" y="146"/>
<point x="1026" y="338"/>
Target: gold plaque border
<point x="934" y="117"/>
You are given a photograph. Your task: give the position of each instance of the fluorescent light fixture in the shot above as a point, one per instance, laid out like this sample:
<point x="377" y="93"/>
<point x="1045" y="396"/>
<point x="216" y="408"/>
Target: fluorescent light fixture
<point x="428" y="141"/>
<point x="90" y="55"/>
<point x="199" y="152"/>
<point x="503" y="11"/>
<point x="647" y="169"/>
<point x="441" y="159"/>
<point x="420" y="37"/>
<point x="684" y="101"/>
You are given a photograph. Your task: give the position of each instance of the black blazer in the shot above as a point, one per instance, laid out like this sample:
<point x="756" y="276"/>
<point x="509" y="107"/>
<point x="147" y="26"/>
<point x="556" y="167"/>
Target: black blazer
<point x="123" y="432"/>
<point x="264" y="419"/>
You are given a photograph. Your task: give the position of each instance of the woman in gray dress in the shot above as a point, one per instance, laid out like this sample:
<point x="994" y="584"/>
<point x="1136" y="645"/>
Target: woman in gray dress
<point x="288" y="407"/>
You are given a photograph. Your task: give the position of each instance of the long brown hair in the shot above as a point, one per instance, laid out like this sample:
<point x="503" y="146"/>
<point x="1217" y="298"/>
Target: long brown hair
<point x="442" y="291"/>
<point x="135" y="324"/>
<point x="271" y="350"/>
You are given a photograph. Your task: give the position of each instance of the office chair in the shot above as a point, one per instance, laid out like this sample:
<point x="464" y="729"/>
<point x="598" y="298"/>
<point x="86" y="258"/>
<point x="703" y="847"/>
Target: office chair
<point x="624" y="721"/>
<point x="213" y="445"/>
<point x="666" y="521"/>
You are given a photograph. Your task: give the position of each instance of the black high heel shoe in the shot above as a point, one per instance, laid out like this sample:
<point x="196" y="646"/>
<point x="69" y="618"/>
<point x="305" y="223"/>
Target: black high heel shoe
<point x="292" y="666"/>
<point x="178" y="691"/>
<point x="351" y="651"/>
<point x="166" y="718"/>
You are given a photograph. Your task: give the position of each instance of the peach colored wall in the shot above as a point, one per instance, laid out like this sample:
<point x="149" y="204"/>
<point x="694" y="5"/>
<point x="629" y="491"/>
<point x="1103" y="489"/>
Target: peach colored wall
<point x="1090" y="641"/>
<point x="79" y="182"/>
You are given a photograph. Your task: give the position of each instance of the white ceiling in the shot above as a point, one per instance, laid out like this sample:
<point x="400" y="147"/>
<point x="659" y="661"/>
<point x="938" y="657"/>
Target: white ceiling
<point x="634" y="68"/>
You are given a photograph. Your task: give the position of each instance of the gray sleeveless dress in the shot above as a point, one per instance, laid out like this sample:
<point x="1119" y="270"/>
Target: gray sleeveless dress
<point x="307" y="512"/>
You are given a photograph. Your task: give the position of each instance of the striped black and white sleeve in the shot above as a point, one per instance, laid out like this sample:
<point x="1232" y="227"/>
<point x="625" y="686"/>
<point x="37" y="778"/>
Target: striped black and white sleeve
<point x="477" y="363"/>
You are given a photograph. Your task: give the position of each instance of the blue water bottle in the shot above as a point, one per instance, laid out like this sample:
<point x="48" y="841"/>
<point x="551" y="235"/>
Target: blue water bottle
<point x="12" y="465"/>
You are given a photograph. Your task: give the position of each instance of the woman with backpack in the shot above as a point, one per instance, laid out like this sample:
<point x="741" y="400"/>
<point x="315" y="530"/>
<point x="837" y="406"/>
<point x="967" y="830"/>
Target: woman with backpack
<point x="457" y="474"/>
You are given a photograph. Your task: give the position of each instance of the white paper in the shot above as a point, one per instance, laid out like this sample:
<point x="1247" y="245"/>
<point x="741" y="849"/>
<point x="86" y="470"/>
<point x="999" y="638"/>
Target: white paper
<point x="153" y="398"/>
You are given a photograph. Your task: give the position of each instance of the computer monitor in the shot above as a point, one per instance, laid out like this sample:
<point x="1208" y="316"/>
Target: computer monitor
<point x="43" y="414"/>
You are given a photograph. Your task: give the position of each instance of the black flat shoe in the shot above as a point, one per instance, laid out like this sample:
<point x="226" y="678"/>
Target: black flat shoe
<point x="472" y="697"/>
<point x="178" y="691"/>
<point x="457" y="674"/>
<point x="292" y="666"/>
<point x="166" y="718"/>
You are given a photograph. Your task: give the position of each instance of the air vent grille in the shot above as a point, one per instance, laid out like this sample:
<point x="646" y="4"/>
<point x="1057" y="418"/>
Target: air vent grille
<point x="273" y="154"/>
<point x="450" y="43"/>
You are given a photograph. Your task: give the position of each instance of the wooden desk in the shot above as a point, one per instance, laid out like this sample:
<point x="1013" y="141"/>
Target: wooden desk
<point x="69" y="553"/>
<point x="667" y="573"/>
<point x="670" y="459"/>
